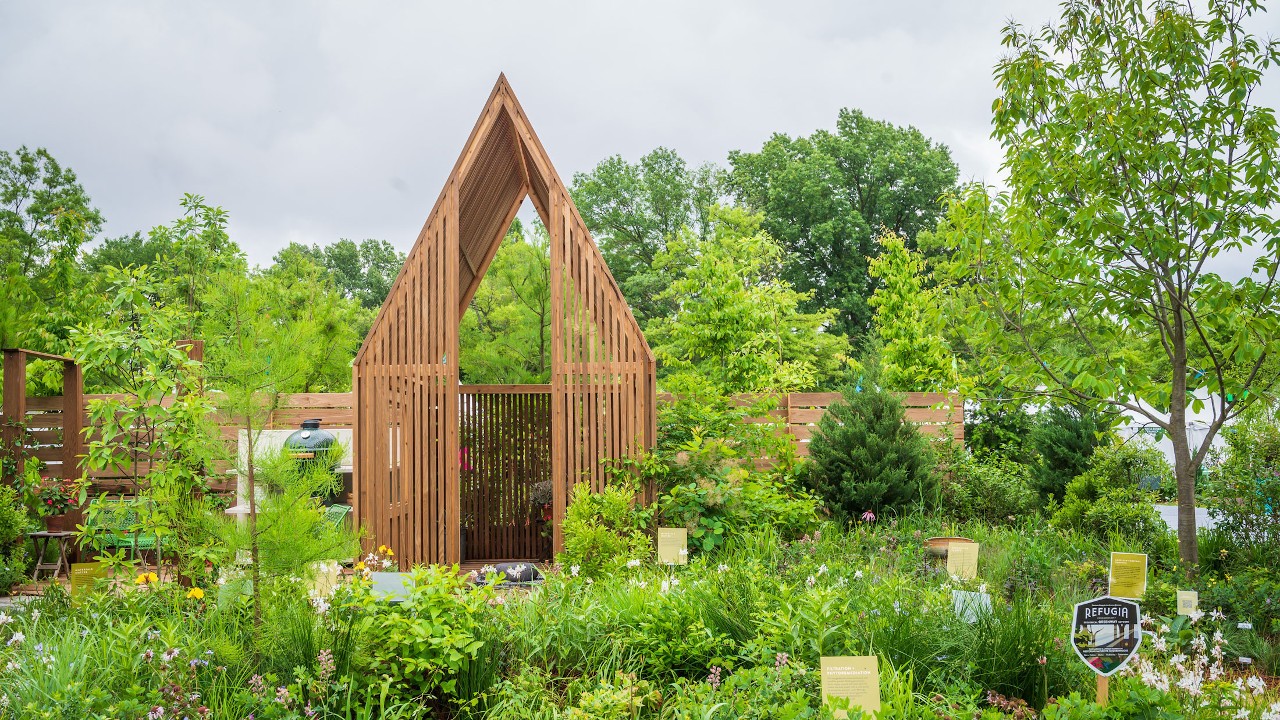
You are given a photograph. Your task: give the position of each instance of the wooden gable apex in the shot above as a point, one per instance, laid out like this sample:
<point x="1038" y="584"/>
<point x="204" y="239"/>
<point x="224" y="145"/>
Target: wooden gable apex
<point x="501" y="164"/>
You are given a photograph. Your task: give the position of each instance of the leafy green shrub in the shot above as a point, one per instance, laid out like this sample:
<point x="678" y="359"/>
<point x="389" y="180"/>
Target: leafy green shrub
<point x="14" y="525"/>
<point x="424" y="642"/>
<point x="604" y="530"/>
<point x="1108" y="498"/>
<point x="774" y="690"/>
<point x="726" y="495"/>
<point x="1252" y="596"/>
<point x="1064" y="438"/>
<point x="621" y="697"/>
<point x="993" y="489"/>
<point x="1245" y="490"/>
<point x="865" y="458"/>
<point x="1000" y="428"/>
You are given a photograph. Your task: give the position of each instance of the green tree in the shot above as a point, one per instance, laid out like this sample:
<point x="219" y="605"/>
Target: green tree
<point x="1137" y="156"/>
<point x="197" y="249"/>
<point x="263" y="356"/>
<point x="301" y="292"/>
<point x="155" y="428"/>
<point x="864" y="457"/>
<point x="825" y="198"/>
<point x="634" y="210"/>
<point x="505" y="336"/>
<point x="362" y="272"/>
<point x="45" y="218"/>
<point x="738" y="326"/>
<point x="908" y="322"/>
<point x="125" y="251"/>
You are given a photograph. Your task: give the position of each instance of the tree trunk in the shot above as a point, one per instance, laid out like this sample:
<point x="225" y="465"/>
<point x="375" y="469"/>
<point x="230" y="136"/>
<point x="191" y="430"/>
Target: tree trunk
<point x="1184" y="471"/>
<point x="253" y="535"/>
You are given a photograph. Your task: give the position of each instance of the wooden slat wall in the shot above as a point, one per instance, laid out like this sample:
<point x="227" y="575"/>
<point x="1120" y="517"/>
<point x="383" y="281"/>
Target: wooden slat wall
<point x="46" y="432"/>
<point x="505" y="446"/>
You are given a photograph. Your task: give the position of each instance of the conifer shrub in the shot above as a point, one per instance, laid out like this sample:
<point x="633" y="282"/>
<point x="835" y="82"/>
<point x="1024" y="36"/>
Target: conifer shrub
<point x="865" y="458"/>
<point x="1064" y="439"/>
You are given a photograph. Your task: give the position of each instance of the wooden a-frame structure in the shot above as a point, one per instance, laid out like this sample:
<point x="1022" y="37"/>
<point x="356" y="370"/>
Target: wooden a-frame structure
<point x="410" y="467"/>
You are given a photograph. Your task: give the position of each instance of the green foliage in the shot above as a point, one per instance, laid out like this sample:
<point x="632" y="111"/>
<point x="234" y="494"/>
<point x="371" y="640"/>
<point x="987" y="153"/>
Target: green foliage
<point x="738" y="326"/>
<point x="361" y="272"/>
<point x="604" y="530"/>
<point x="14" y="525"/>
<point x="621" y="697"/>
<point x="992" y="489"/>
<point x="827" y="196"/>
<point x="505" y="337"/>
<point x="998" y="427"/>
<point x="1109" y="497"/>
<point x="158" y="431"/>
<point x="720" y="494"/>
<point x="1245" y="487"/>
<point x="908" y="322"/>
<point x="45" y="218"/>
<point x="865" y="458"/>
<point x="1064" y="439"/>
<point x="1091" y="279"/>
<point x="422" y="643"/>
<point x="198" y="251"/>
<point x="635" y="210"/>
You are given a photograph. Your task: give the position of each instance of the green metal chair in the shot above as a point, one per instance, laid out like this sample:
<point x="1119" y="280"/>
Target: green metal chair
<point x="117" y="525"/>
<point x="337" y="514"/>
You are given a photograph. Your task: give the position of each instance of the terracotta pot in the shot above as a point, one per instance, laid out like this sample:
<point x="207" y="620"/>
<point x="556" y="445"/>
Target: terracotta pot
<point x="937" y="546"/>
<point x="65" y="522"/>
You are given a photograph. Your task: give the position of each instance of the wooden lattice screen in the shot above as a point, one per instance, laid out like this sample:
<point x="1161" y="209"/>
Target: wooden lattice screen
<point x="406" y="394"/>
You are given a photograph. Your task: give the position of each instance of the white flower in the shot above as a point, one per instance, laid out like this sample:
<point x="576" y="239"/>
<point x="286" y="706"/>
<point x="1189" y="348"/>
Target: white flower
<point x="5" y="619"/>
<point x="857" y="575"/>
<point x="35" y="615"/>
<point x="573" y="570"/>
<point x="1256" y="685"/>
<point x="17" y="639"/>
<point x="171" y="653"/>
<point x="386" y="564"/>
<point x="1217" y="614"/>
<point x="488" y="569"/>
<point x="982" y="588"/>
<point x="822" y="569"/>
<point x="1160" y="644"/>
<point x="665" y="586"/>
<point x="675" y="581"/>
<point x="633" y="563"/>
<point x="722" y="568"/>
<point x="1195" y="616"/>
<point x="684" y="552"/>
<point x="810" y="581"/>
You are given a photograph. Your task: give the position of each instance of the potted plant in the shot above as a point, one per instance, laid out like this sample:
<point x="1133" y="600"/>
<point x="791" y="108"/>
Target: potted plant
<point x="59" y="504"/>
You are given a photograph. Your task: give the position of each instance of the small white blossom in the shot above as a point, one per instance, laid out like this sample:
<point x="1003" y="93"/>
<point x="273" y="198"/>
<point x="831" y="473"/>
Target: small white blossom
<point x="722" y="568"/>
<point x="17" y="639"/>
<point x="822" y="569"/>
<point x="5" y="619"/>
<point x="633" y="563"/>
<point x="573" y="570"/>
<point x="1256" y="685"/>
<point x="810" y="581"/>
<point x="857" y="575"/>
<point x="665" y="586"/>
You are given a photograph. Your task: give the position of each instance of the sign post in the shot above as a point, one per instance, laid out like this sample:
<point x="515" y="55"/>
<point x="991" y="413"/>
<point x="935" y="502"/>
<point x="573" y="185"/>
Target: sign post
<point x="1106" y="633"/>
<point x="673" y="546"/>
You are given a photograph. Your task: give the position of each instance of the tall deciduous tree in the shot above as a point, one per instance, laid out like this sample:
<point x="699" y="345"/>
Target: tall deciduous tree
<point x="45" y="217"/>
<point x="908" y="322"/>
<point x="363" y="272"/>
<point x="634" y="210"/>
<point x="826" y="196"/>
<point x="1139" y="163"/>
<point x="739" y="327"/>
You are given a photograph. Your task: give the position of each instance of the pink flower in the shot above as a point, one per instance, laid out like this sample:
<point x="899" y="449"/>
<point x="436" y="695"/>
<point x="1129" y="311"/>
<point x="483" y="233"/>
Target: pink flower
<point x="868" y="516"/>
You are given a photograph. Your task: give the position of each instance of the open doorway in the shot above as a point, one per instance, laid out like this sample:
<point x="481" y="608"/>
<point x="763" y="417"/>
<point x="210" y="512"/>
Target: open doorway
<point x="504" y="403"/>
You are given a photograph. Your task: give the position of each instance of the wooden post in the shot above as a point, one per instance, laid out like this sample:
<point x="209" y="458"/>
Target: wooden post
<point x="72" y="419"/>
<point x="13" y="434"/>
<point x="1104" y="688"/>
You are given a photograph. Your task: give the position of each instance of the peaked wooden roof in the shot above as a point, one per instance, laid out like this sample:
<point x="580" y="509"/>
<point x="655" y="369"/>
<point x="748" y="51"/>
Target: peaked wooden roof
<point x="501" y="164"/>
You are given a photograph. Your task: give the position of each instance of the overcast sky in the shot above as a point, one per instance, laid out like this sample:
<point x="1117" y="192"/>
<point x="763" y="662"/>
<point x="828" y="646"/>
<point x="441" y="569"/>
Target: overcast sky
<point x="313" y="121"/>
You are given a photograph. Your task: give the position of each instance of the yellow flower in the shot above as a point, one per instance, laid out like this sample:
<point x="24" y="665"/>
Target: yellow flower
<point x="140" y="580"/>
<point x="146" y="578"/>
<point x="195" y="593"/>
<point x="382" y="548"/>
<point x="360" y="565"/>
<point x="391" y="553"/>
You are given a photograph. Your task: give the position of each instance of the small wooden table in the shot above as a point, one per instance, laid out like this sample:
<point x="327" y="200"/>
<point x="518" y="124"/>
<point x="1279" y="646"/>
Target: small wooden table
<point x="41" y="541"/>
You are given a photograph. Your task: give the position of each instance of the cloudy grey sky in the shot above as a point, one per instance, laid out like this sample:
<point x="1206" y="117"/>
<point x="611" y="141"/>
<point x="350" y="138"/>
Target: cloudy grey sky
<point x="312" y="121"/>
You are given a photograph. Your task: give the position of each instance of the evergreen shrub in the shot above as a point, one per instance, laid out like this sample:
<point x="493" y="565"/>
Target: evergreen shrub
<point x="865" y="458"/>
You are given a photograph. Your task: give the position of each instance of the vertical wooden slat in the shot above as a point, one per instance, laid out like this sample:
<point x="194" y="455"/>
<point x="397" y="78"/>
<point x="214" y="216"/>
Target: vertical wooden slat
<point x="15" y="407"/>
<point x="72" y="419"/>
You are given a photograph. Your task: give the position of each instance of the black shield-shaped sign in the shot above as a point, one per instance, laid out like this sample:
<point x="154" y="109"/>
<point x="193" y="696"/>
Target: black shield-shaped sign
<point x="1106" y="632"/>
